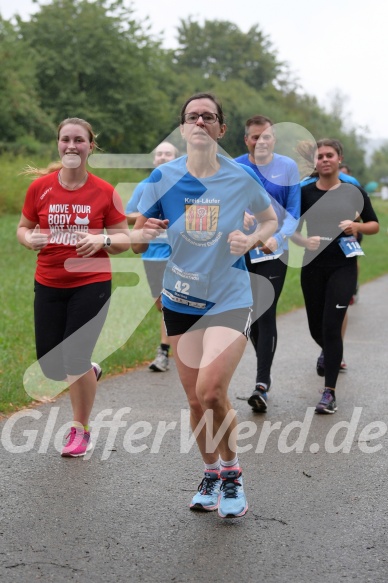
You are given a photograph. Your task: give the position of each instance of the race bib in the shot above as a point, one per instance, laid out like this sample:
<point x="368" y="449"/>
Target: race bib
<point x="186" y="287"/>
<point x="350" y="246"/>
<point x="258" y="255"/>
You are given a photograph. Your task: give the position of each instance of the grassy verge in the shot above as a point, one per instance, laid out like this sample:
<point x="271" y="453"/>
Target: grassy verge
<point x="17" y="351"/>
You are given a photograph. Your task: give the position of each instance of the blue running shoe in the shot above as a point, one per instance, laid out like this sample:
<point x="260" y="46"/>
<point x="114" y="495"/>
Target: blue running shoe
<point x="327" y="404"/>
<point x="206" y="498"/>
<point x="232" y="500"/>
<point x="258" y="399"/>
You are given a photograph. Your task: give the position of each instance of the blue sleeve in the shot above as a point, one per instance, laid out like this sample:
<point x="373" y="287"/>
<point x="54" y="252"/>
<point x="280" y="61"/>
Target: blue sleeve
<point x="135" y="199"/>
<point x="262" y="202"/>
<point x="292" y="208"/>
<point x="241" y="159"/>
<point x="149" y="204"/>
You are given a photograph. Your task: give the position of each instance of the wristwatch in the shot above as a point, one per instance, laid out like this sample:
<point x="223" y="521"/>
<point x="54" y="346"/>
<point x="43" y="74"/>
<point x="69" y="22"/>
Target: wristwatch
<point x="107" y="241"/>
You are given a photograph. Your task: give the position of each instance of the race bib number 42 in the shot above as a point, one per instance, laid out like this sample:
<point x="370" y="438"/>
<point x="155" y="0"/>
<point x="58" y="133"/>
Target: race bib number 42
<point x="184" y="287"/>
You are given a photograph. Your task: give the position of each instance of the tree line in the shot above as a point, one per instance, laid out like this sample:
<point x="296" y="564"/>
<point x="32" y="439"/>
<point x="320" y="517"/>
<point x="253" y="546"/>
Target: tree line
<point x="93" y="59"/>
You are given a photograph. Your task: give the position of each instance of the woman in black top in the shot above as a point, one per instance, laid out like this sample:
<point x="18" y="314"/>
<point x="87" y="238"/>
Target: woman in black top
<point x="335" y="213"/>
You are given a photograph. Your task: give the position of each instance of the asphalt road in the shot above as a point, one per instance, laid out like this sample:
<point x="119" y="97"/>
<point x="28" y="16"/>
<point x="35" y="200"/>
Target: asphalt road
<point x="317" y="489"/>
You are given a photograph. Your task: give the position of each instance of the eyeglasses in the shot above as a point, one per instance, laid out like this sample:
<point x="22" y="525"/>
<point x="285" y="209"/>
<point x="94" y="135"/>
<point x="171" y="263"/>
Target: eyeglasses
<point x="207" y="117"/>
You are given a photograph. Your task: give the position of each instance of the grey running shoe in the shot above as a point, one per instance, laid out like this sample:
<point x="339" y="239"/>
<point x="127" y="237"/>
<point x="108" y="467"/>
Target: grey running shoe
<point x="160" y="364"/>
<point x="258" y="399"/>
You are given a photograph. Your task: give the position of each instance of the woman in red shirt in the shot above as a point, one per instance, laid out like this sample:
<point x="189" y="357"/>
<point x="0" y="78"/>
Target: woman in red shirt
<point x="73" y="219"/>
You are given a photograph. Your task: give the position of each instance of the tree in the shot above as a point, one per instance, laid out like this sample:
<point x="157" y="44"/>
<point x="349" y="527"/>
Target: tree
<point x="220" y="49"/>
<point x="379" y="163"/>
<point x="20" y="111"/>
<point x="94" y="61"/>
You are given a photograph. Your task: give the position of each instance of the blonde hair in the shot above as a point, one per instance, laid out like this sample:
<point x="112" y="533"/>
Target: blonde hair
<point x="79" y="122"/>
<point x="36" y="172"/>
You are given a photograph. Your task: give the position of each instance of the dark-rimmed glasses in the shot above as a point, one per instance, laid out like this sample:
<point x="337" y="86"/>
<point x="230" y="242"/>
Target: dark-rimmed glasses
<point x="207" y="117"/>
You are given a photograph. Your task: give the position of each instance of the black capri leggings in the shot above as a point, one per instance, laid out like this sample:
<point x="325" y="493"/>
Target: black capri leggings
<point x="327" y="292"/>
<point x="68" y="322"/>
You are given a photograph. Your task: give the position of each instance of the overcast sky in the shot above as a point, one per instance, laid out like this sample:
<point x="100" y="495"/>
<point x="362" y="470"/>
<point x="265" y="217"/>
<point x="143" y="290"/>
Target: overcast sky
<point x="330" y="46"/>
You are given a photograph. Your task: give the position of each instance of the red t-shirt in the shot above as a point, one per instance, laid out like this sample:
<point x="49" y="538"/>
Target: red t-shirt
<point x="61" y="212"/>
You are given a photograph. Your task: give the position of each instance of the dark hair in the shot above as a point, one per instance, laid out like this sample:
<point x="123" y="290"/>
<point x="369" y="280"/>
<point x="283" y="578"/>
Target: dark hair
<point x="331" y="143"/>
<point x="308" y="150"/>
<point x="220" y="113"/>
<point x="258" y="120"/>
<point x="342" y="166"/>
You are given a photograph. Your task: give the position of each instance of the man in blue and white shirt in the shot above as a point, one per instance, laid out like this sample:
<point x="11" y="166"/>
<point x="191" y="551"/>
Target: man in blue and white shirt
<point x="280" y="177"/>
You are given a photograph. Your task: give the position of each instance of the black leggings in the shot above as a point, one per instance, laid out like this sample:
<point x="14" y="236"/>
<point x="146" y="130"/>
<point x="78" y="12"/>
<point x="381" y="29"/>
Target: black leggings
<point x="68" y="322"/>
<point x="264" y="333"/>
<point x="327" y="292"/>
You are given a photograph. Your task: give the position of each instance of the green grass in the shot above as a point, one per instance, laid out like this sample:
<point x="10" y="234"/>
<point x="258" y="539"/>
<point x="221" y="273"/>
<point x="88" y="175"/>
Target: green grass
<point x="17" y="350"/>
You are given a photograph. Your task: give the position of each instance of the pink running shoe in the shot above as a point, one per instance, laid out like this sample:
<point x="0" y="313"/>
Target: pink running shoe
<point x="78" y="443"/>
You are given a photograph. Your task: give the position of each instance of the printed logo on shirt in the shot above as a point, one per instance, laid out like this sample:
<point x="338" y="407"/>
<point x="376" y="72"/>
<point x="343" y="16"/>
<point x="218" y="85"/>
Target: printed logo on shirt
<point x="79" y="221"/>
<point x="201" y="221"/>
<point x="62" y="229"/>
<point x="45" y="192"/>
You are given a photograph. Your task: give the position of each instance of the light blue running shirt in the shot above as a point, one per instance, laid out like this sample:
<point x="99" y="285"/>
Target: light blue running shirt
<point x="201" y="274"/>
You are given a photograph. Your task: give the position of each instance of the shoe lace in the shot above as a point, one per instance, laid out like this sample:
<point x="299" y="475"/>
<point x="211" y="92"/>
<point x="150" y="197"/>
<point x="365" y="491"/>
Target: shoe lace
<point x="207" y="485"/>
<point x="71" y="436"/>
<point x="230" y="487"/>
